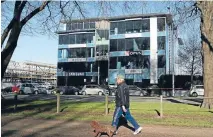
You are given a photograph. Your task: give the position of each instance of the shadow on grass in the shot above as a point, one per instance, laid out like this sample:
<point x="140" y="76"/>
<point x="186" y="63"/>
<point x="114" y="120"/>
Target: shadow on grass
<point x="177" y="101"/>
<point x="8" y="133"/>
<point x="41" y="108"/>
<point x="158" y="113"/>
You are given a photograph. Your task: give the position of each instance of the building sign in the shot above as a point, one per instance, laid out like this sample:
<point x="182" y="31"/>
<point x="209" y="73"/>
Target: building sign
<point x="101" y="57"/>
<point x="91" y="59"/>
<point x="133" y="71"/>
<point x="77" y="59"/>
<point x="135" y="53"/>
<point x="76" y="73"/>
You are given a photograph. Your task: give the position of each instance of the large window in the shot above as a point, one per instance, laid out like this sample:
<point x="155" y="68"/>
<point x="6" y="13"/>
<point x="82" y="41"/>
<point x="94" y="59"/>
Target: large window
<point x="80" y="38"/>
<point x="161" y="61"/>
<point x="161" y="24"/>
<point x="130" y="62"/>
<point x="80" y="52"/>
<point x="161" y="42"/>
<point x="145" y="25"/>
<point x="129" y="26"/>
<point x="80" y="25"/>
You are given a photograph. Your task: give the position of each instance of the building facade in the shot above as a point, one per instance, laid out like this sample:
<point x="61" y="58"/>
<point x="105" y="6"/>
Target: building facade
<point x="96" y="50"/>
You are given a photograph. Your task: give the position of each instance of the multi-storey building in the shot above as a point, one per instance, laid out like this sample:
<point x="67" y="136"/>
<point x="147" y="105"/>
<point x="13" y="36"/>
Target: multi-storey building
<point x="96" y="50"/>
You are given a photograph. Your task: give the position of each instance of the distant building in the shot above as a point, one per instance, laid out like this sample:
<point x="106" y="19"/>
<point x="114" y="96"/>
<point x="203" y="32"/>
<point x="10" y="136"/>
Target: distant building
<point x="30" y="71"/>
<point x="97" y="49"/>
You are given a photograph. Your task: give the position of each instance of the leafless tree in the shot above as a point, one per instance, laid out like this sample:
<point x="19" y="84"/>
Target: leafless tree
<point x="190" y="56"/>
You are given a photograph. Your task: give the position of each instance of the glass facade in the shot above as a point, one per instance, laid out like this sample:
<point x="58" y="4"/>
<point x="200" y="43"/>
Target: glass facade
<point x="130" y="26"/>
<point x="80" y="25"/>
<point x="130" y="44"/>
<point x="124" y="48"/>
<point x="81" y="38"/>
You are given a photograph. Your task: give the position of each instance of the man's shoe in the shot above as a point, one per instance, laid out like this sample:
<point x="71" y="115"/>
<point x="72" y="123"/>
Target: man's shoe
<point x="137" y="131"/>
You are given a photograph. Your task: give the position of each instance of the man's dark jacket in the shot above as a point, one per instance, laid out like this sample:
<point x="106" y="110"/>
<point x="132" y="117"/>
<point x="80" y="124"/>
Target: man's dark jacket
<point x="122" y="95"/>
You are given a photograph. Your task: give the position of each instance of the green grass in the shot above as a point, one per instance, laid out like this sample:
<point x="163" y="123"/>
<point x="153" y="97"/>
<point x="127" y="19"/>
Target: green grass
<point x="144" y="112"/>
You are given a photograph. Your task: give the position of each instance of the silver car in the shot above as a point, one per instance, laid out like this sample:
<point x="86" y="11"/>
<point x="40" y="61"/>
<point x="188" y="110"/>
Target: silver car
<point x="93" y="90"/>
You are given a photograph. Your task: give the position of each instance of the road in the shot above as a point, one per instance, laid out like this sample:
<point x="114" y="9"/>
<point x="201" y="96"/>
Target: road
<point x="96" y="98"/>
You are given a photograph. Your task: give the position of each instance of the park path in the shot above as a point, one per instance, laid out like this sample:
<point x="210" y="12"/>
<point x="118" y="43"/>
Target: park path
<point x="31" y="127"/>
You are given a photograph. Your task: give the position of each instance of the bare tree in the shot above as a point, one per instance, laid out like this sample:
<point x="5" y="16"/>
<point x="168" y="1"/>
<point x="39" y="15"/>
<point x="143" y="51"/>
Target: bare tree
<point x="190" y="57"/>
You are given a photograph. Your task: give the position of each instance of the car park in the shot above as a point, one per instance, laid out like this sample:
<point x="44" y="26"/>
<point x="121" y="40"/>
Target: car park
<point x="136" y="91"/>
<point x="28" y="88"/>
<point x="68" y="90"/>
<point x="197" y="90"/>
<point x="93" y="90"/>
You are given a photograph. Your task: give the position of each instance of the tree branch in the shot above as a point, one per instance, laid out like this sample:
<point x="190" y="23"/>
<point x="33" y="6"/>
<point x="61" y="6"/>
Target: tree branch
<point x="79" y="8"/>
<point x="33" y="13"/>
<point x="6" y="31"/>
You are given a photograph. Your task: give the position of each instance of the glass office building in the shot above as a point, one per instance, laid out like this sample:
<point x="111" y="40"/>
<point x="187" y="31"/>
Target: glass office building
<point x="96" y="50"/>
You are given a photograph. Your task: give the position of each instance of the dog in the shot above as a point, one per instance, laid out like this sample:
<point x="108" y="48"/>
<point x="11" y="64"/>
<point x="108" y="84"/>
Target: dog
<point x="98" y="129"/>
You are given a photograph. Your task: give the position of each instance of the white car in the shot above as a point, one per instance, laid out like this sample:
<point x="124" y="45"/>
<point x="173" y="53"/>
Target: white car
<point x="197" y="90"/>
<point x="93" y="90"/>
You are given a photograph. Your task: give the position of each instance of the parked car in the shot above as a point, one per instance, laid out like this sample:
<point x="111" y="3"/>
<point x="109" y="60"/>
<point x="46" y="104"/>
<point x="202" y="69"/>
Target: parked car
<point x="40" y="90"/>
<point x="112" y="90"/>
<point x="197" y="90"/>
<point x="68" y="90"/>
<point x="28" y="88"/>
<point x="6" y="87"/>
<point x="93" y="90"/>
<point x="134" y="90"/>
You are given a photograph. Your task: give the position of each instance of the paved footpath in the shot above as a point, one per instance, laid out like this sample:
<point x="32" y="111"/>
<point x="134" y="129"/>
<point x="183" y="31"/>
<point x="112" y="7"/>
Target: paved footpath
<point x="30" y="127"/>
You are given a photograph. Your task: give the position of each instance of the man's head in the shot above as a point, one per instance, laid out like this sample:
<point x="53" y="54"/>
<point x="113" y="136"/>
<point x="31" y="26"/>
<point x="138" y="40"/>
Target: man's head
<point x="120" y="79"/>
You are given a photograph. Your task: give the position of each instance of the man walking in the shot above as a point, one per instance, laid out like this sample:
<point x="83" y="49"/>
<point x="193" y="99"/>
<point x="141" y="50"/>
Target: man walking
<point x="122" y="105"/>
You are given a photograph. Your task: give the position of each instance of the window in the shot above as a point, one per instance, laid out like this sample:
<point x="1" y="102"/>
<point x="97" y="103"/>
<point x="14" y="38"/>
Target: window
<point x="161" y="24"/>
<point x="113" y="25"/>
<point x="137" y="26"/>
<point x="86" y="25"/>
<point x="101" y="50"/>
<point x="129" y="44"/>
<point x="71" y="39"/>
<point x="63" y="39"/>
<point x="138" y="44"/>
<point x="162" y="61"/>
<point x="103" y="34"/>
<point x="113" y="61"/>
<point x="74" y="26"/>
<point x="121" y="45"/>
<point x="129" y="26"/>
<point x="145" y="25"/>
<point x="121" y="27"/>
<point x="145" y="43"/>
<point x="68" y="26"/>
<point x="122" y="63"/>
<point x="80" y="25"/>
<point x="161" y="42"/>
<point x="113" y="45"/>
<point x="59" y="53"/>
<point x="146" y="62"/>
<point x="92" y="25"/>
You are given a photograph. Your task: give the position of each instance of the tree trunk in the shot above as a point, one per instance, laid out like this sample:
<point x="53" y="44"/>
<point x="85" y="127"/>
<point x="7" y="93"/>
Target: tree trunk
<point x="7" y="52"/>
<point x="207" y="45"/>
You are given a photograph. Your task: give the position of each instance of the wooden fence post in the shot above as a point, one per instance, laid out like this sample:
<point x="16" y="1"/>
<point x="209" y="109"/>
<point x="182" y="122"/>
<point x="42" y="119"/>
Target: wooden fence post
<point x="161" y="106"/>
<point x="106" y="104"/>
<point x="58" y="102"/>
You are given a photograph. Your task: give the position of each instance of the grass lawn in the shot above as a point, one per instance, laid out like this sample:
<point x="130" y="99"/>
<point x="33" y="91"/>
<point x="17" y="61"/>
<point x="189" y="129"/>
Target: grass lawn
<point x="144" y="112"/>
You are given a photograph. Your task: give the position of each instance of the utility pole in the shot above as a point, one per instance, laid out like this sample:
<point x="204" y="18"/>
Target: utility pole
<point x="173" y="62"/>
<point x="98" y="74"/>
